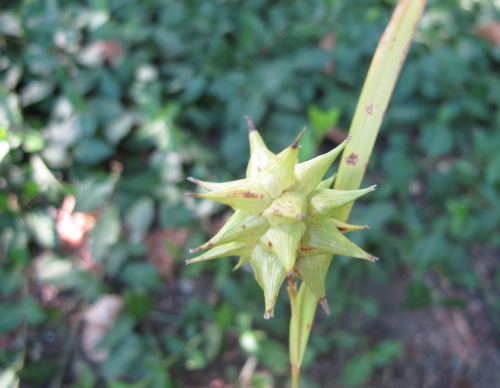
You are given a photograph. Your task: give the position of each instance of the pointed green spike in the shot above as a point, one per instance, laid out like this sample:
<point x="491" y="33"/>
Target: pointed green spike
<point x="327" y="183"/>
<point x="241" y="262"/>
<point x="270" y="275"/>
<point x="279" y="176"/>
<point x="242" y="227"/>
<point x="206" y="185"/>
<point x="289" y="208"/>
<point x="326" y="238"/>
<point x="229" y="249"/>
<point x="312" y="270"/>
<point x="309" y="174"/>
<point x="323" y="202"/>
<point x="284" y="241"/>
<point x="245" y="194"/>
<point x="345" y="227"/>
<point x="260" y="156"/>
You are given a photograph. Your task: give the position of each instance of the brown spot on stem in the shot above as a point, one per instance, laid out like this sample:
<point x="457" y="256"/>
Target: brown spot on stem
<point x="342" y="228"/>
<point x="270" y="244"/>
<point x="352" y="159"/>
<point x="244" y="227"/>
<point x="307" y="249"/>
<point x="249" y="194"/>
<point x="369" y="109"/>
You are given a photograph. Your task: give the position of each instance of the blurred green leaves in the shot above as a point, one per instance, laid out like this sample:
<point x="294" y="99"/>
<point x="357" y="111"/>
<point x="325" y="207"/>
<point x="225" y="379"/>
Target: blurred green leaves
<point x="360" y="368"/>
<point x="118" y="102"/>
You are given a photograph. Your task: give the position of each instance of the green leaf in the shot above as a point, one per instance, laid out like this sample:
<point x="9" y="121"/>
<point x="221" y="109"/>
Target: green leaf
<point x="195" y="359"/>
<point x="33" y="141"/>
<point x="36" y="91"/>
<point x="430" y="249"/>
<point x="11" y="281"/>
<point x="386" y="352"/>
<point x="122" y="329"/>
<point x="308" y="146"/>
<point x="92" y="151"/>
<point x="116" y="258"/>
<point x="225" y="316"/>
<point x="93" y="193"/>
<point x="213" y="341"/>
<point x="357" y="370"/>
<point x="274" y="355"/>
<point x="123" y="357"/>
<point x="493" y="170"/>
<point x="42" y="228"/>
<point x="322" y="120"/>
<point x="10" y="318"/>
<point x="140" y="216"/>
<point x="175" y="215"/>
<point x="32" y="313"/>
<point x="436" y="140"/>
<point x="139" y="304"/>
<point x="106" y="233"/>
<point x="117" y="129"/>
<point x="141" y="275"/>
<point x="418" y="295"/>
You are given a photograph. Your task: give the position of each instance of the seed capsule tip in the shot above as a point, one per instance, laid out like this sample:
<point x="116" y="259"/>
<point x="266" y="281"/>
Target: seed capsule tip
<point x="366" y="226"/>
<point x="193" y="195"/>
<point x="372" y="188"/>
<point x="187" y="262"/>
<point x="193" y="180"/>
<point x="373" y="259"/>
<point x="250" y="124"/>
<point x="194" y="250"/>
<point x="324" y="304"/>
<point x="295" y="143"/>
<point x="268" y="314"/>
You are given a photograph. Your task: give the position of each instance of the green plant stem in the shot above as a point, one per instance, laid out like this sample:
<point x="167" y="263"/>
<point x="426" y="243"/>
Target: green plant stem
<point x="384" y="70"/>
<point x="294" y="336"/>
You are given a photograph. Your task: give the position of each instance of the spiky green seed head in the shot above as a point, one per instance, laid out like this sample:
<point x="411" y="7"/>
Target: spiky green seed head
<point x="283" y="223"/>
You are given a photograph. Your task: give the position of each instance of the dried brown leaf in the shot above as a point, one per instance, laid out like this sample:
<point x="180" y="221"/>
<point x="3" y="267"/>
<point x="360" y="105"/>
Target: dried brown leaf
<point x="99" y="318"/>
<point x="72" y="227"/>
<point x="490" y="31"/>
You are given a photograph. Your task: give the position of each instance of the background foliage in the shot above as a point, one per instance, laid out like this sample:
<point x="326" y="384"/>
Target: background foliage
<point x="117" y="102"/>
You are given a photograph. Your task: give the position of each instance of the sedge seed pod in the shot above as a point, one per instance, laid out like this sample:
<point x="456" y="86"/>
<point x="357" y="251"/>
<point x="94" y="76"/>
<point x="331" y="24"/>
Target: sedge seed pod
<point x="283" y="223"/>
